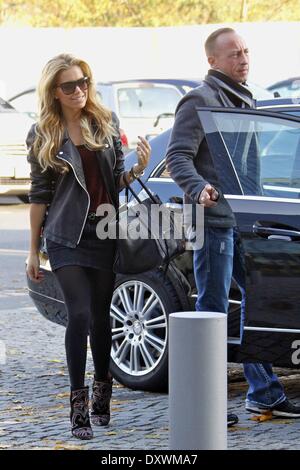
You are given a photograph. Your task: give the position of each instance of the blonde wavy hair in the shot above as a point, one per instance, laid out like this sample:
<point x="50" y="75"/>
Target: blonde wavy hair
<point x="96" y="119"/>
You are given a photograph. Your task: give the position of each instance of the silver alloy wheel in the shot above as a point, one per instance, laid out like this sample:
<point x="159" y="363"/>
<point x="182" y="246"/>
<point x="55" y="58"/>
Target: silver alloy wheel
<point x="139" y="328"/>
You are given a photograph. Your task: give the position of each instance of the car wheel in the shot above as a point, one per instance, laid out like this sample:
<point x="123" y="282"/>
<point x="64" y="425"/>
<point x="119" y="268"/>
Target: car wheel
<point x="140" y="309"/>
<point x="52" y="313"/>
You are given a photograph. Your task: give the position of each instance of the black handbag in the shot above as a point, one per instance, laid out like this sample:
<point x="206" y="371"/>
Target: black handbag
<point x="155" y="247"/>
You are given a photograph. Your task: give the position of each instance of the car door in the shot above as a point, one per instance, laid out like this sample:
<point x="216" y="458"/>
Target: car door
<point x="257" y="157"/>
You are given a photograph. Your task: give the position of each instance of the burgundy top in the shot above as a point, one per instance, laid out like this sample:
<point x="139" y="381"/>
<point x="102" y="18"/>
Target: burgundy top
<point x="93" y="178"/>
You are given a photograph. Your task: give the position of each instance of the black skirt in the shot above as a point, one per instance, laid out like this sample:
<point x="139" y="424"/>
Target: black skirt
<point x="90" y="252"/>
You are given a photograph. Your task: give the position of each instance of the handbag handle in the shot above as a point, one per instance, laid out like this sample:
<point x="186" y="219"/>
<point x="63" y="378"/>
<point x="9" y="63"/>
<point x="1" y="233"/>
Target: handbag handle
<point x="129" y="188"/>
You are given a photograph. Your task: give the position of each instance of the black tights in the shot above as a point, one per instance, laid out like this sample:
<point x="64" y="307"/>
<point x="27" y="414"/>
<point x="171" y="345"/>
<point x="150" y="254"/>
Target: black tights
<point x="87" y="293"/>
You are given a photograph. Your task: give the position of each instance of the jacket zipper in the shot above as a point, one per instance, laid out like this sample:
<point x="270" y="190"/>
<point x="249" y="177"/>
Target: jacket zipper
<point x="86" y="194"/>
<point x="115" y="157"/>
<point x="111" y="145"/>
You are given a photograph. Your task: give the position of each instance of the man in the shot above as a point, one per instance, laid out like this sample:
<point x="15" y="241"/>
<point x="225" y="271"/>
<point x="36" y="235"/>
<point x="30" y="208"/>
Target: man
<point x="191" y="166"/>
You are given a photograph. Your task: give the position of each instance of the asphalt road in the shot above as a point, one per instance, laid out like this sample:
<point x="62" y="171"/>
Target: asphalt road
<point x="34" y="390"/>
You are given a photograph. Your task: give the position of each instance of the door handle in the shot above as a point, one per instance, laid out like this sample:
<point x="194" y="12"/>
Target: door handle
<point x="276" y="233"/>
<point x="280" y="237"/>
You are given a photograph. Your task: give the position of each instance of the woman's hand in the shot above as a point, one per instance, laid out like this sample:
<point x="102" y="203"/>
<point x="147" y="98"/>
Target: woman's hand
<point x="33" y="268"/>
<point x="143" y="151"/>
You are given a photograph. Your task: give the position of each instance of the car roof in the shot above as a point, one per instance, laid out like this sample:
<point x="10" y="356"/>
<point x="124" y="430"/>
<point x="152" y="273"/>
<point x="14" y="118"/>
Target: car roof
<point x="283" y="82"/>
<point x="23" y="92"/>
<point x="171" y="81"/>
<point x="266" y="102"/>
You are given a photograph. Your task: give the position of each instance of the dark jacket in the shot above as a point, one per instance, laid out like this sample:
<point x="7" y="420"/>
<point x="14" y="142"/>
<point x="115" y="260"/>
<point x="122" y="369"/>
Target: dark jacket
<point x="66" y="194"/>
<point x="188" y="158"/>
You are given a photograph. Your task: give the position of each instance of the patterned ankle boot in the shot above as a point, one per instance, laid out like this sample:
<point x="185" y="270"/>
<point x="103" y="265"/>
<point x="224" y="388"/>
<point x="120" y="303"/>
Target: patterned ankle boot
<point x="101" y="396"/>
<point x="80" y="419"/>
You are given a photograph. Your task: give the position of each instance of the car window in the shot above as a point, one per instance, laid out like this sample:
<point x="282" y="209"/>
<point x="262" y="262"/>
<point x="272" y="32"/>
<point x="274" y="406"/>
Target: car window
<point x="187" y="88"/>
<point x="293" y="113"/>
<point x="284" y="91"/>
<point x="290" y="90"/>
<point x="265" y="152"/>
<point x="147" y="102"/>
<point x="163" y="172"/>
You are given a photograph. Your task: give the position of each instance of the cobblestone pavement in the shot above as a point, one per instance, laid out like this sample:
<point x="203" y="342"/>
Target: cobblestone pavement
<point x="34" y="396"/>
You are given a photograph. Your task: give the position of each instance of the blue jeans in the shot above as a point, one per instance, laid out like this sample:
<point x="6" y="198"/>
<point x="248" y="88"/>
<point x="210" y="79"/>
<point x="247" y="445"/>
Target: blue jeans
<point x="215" y="264"/>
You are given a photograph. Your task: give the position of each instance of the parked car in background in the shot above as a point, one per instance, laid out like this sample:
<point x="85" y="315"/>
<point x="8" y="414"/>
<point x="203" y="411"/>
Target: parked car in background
<point x="27" y="102"/>
<point x="147" y="107"/>
<point x="144" y="106"/>
<point x="137" y="103"/>
<point x="269" y="227"/>
<point x="289" y="88"/>
<point x="14" y="169"/>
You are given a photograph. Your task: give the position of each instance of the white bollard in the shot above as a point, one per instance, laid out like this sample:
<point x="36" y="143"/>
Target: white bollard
<point x="198" y="381"/>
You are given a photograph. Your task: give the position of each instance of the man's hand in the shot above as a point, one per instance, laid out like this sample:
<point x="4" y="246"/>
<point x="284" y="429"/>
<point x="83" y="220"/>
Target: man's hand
<point x="209" y="196"/>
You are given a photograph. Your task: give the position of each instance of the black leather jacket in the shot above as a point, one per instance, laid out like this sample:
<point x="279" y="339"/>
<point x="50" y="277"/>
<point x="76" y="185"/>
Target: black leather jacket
<point x="66" y="194"/>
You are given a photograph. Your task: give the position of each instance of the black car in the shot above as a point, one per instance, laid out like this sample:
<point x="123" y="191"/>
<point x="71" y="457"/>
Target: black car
<point x="269" y="227"/>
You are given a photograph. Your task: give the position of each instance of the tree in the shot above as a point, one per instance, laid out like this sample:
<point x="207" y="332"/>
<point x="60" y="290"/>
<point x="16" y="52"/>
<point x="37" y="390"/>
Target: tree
<point x="80" y="13"/>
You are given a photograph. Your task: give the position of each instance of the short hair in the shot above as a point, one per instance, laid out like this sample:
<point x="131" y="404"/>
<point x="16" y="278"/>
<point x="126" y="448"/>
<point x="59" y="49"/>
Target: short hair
<point x="211" y="40"/>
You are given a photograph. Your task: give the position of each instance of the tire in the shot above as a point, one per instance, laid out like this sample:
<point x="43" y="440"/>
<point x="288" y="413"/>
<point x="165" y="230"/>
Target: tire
<point x="139" y="355"/>
<point x="48" y="298"/>
<point x="52" y="313"/>
<point x="153" y="283"/>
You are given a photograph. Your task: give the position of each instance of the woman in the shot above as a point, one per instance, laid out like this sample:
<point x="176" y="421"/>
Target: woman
<point x="77" y="164"/>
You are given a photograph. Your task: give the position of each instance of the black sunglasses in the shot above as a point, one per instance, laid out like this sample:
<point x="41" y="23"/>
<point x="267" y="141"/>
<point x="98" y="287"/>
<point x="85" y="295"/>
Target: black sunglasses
<point x="69" y="87"/>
